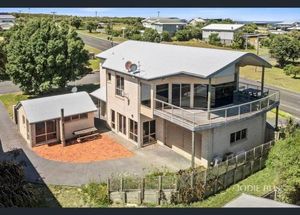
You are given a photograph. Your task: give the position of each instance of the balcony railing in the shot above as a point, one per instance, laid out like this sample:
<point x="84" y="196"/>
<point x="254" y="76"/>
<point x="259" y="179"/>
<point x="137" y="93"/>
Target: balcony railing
<point x="196" y="118"/>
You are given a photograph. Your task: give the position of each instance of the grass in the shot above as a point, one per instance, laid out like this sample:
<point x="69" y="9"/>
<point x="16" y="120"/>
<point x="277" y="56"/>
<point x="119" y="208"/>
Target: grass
<point x="61" y="196"/>
<point x="94" y="63"/>
<point x="11" y="99"/>
<point x="258" y="184"/>
<point x="273" y="77"/>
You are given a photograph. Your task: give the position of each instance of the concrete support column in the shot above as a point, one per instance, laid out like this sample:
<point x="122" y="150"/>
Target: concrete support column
<point x="276" y="118"/>
<point x="209" y="98"/>
<point x="193" y="150"/>
<point x="62" y="127"/>
<point x="192" y="96"/>
<point x="262" y="80"/>
<point x="237" y="76"/>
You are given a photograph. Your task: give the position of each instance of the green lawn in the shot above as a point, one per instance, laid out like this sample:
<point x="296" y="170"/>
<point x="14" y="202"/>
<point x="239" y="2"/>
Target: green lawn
<point x="94" y="63"/>
<point x="274" y="77"/>
<point x="11" y="99"/>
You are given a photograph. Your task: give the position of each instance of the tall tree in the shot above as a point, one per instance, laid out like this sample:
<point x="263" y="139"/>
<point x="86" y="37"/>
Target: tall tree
<point x="91" y="26"/>
<point x="284" y="48"/>
<point x="214" y="39"/>
<point x="76" y="22"/>
<point x="3" y="74"/>
<point x="44" y="54"/>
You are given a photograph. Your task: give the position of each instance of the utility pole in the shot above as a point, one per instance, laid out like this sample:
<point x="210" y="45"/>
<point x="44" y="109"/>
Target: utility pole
<point x="53" y="13"/>
<point x="96" y="13"/>
<point x="158" y="12"/>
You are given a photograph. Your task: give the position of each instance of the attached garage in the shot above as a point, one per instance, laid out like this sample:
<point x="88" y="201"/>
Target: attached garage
<point x="180" y="140"/>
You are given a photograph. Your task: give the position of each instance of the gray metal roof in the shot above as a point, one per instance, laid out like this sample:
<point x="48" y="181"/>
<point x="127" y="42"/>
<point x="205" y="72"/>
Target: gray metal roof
<point x="246" y="201"/>
<point x="100" y="93"/>
<point x="223" y="27"/>
<point x="165" y="20"/>
<point x="47" y="108"/>
<point x="156" y="60"/>
<point x="6" y="16"/>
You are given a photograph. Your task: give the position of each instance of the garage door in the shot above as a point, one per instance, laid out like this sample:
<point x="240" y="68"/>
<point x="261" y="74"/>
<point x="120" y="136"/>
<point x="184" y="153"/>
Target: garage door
<point x="182" y="138"/>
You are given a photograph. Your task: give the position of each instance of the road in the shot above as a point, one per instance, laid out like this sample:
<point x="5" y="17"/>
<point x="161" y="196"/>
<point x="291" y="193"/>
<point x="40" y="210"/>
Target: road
<point x="97" y="42"/>
<point x="289" y="101"/>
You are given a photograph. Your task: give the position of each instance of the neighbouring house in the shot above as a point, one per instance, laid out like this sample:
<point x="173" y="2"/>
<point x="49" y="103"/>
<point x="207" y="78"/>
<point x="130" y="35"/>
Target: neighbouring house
<point x="197" y="21"/>
<point x="169" y="24"/>
<point x="285" y="25"/>
<point x="187" y="98"/>
<point x="225" y="32"/>
<point x="40" y="120"/>
<point x="7" y="21"/>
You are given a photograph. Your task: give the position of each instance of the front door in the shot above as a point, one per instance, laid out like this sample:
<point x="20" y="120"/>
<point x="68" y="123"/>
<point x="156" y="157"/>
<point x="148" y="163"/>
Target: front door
<point x="149" y="132"/>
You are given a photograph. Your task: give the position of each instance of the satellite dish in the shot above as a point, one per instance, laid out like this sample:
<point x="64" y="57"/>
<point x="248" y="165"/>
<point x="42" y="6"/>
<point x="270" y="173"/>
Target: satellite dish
<point x="74" y="90"/>
<point x="133" y="67"/>
<point x="128" y="65"/>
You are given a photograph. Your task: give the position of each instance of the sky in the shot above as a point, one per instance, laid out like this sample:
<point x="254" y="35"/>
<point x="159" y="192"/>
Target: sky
<point x="239" y="14"/>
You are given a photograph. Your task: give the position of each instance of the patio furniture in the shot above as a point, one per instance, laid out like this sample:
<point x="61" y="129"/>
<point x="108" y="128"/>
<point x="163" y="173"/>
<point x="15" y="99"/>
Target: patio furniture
<point x="86" y="134"/>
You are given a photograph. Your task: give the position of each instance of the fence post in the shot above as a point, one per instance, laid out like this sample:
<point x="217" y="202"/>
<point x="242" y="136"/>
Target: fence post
<point x="192" y="179"/>
<point x="121" y="184"/>
<point x="159" y="189"/>
<point x="108" y="188"/>
<point x="235" y="170"/>
<point x="225" y="175"/>
<point x="142" y="190"/>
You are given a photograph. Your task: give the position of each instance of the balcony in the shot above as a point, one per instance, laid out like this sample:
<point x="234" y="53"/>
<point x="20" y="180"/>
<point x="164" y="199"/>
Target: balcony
<point x="248" y="101"/>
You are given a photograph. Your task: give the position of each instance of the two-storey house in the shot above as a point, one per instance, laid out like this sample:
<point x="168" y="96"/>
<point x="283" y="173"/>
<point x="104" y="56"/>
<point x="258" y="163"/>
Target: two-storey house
<point x="186" y="98"/>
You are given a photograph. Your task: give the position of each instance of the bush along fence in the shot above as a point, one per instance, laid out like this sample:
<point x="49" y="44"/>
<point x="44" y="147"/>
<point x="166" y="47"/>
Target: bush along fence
<point x="189" y="185"/>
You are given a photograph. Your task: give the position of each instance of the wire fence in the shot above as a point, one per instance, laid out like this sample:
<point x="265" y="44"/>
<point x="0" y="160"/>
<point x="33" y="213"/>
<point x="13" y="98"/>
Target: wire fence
<point x="155" y="188"/>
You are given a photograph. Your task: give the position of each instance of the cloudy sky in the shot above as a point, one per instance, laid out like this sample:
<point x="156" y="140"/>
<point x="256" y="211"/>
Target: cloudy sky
<point x="241" y="14"/>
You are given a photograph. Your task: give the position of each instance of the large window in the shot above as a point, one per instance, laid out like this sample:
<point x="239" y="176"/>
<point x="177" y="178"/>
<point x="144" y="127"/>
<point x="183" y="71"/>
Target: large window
<point x="119" y="85"/>
<point x="162" y="92"/>
<point x="149" y="132"/>
<point x="200" y="96"/>
<point x="45" y="131"/>
<point x="113" y="119"/>
<point x="133" y="130"/>
<point x="237" y="136"/>
<point x="181" y="94"/>
<point x="146" y="94"/>
<point x="223" y="94"/>
<point x="122" y="123"/>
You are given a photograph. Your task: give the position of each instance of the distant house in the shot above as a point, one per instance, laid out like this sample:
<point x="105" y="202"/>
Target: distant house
<point x="196" y="21"/>
<point x="6" y="21"/>
<point x="225" y="32"/>
<point x="169" y="24"/>
<point x="285" y="25"/>
<point x="40" y="120"/>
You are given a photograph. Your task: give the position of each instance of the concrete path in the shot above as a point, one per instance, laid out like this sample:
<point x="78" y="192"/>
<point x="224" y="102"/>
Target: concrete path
<point x="52" y="172"/>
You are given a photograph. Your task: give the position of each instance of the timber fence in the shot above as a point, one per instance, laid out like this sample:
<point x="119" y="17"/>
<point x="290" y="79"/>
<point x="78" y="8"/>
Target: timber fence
<point x="174" y="188"/>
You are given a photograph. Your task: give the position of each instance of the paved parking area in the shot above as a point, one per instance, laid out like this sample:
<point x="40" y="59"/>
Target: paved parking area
<point x="53" y="172"/>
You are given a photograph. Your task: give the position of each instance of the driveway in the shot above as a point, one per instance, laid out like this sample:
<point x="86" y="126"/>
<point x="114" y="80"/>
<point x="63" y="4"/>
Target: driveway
<point x="53" y="172"/>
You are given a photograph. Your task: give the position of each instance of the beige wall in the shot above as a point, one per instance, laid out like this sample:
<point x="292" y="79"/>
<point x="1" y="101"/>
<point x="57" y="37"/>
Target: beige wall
<point x="22" y="126"/>
<point x="217" y="140"/>
<point x="75" y="125"/>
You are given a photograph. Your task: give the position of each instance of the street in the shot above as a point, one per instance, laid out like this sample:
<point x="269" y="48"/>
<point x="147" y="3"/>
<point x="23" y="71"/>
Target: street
<point x="96" y="42"/>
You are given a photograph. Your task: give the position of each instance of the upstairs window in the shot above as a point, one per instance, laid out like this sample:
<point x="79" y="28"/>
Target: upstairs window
<point x="109" y="76"/>
<point x="120" y="85"/>
<point x="146" y="95"/>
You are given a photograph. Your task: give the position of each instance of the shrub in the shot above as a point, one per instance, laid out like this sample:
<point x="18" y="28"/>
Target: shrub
<point x="96" y="193"/>
<point x="214" y="39"/>
<point x="290" y="69"/>
<point x="165" y="36"/>
<point x="284" y="160"/>
<point x="14" y="190"/>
